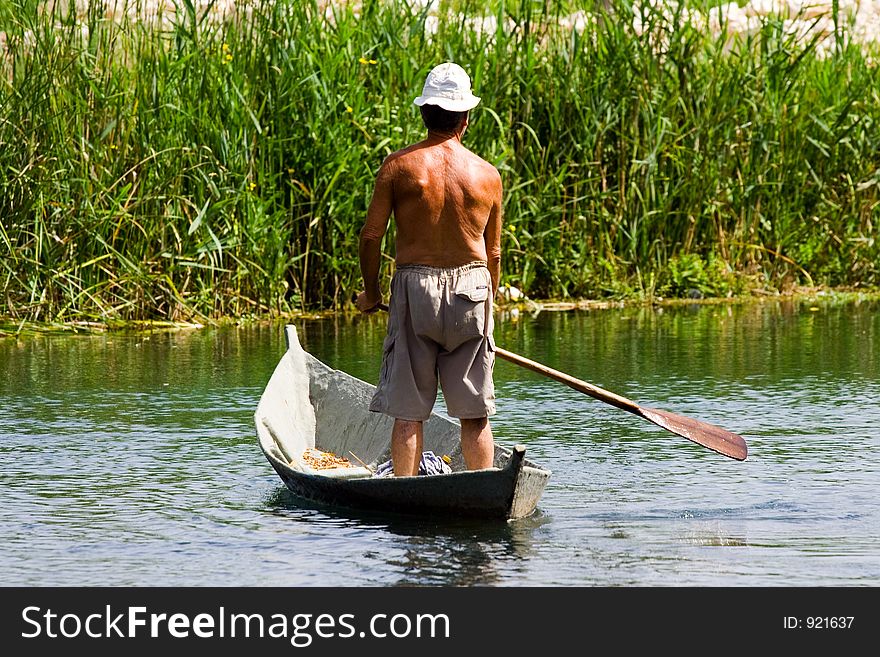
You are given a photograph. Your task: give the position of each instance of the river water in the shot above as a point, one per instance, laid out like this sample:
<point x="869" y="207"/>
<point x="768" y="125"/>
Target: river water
<point x="131" y="459"/>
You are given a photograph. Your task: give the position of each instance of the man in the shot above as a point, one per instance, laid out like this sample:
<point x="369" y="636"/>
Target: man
<point x="446" y="203"/>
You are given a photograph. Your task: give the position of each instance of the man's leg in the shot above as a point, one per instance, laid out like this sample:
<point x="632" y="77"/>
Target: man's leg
<point x="477" y="445"/>
<point x="406" y="447"/>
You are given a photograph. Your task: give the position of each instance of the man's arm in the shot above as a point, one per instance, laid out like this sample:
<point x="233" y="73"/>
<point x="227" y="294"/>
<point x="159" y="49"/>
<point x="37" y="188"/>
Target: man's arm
<point x="492" y="236"/>
<point x="370" y="245"/>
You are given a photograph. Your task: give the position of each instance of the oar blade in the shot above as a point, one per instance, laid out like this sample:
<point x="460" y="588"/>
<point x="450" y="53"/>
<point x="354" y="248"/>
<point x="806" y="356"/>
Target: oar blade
<point x="708" y="435"/>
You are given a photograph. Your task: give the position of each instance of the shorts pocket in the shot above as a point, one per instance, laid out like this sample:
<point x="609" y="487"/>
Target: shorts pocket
<point x="469" y="306"/>
<point x="387" y="359"/>
<point x="478" y="293"/>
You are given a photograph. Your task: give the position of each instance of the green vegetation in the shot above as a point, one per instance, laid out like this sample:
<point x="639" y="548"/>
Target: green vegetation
<point x="224" y="170"/>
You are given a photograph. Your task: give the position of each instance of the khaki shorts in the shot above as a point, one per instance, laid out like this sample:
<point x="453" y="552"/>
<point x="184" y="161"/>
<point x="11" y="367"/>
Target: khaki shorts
<point x="440" y="327"/>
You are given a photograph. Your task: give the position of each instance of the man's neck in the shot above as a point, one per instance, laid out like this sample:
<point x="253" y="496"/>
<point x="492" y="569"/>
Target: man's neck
<point x="436" y="137"/>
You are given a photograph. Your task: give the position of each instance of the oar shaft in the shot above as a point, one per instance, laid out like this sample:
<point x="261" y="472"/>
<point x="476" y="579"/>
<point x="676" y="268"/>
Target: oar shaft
<point x="581" y="386"/>
<point x="708" y="435"/>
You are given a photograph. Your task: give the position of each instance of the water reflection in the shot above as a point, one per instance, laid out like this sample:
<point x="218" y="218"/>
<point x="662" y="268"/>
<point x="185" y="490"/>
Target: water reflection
<point x="426" y="551"/>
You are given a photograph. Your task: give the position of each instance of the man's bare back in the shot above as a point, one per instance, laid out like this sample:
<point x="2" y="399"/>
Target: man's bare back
<point x="443" y="200"/>
<point x="446" y="203"/>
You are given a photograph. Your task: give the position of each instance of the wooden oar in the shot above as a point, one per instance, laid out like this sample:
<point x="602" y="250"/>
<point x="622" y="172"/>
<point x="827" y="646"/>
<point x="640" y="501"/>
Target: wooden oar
<point x="708" y="435"/>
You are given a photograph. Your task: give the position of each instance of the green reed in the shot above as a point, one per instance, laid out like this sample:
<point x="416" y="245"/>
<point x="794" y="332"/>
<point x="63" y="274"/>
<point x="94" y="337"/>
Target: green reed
<point x="214" y="170"/>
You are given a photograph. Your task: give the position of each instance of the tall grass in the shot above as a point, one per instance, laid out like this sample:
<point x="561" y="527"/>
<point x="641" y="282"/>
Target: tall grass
<point x="224" y="169"/>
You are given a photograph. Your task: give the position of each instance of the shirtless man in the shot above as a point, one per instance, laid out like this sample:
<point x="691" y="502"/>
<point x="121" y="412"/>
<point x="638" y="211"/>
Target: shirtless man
<point x="446" y="203"/>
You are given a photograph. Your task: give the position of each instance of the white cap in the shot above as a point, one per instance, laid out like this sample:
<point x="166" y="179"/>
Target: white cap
<point x="448" y="86"/>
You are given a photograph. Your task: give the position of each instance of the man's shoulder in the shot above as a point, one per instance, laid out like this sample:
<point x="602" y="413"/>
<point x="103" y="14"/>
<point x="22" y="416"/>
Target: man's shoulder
<point x="399" y="157"/>
<point x="479" y="161"/>
<point x="486" y="168"/>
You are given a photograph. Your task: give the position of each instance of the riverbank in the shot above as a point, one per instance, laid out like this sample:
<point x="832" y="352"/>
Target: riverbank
<point x="506" y="310"/>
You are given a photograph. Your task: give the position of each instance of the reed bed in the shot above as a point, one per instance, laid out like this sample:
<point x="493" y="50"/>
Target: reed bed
<point x="219" y="164"/>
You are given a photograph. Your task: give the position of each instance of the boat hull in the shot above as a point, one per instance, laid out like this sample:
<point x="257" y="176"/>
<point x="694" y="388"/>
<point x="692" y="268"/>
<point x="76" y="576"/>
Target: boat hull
<point x="308" y="404"/>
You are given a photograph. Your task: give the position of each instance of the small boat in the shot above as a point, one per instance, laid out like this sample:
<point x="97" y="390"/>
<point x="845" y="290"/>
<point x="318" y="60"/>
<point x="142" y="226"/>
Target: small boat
<point x="310" y="410"/>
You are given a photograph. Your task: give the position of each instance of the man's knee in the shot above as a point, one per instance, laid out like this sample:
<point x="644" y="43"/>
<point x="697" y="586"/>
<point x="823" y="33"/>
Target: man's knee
<point x="402" y="420"/>
<point x="407" y="426"/>
<point x="474" y="423"/>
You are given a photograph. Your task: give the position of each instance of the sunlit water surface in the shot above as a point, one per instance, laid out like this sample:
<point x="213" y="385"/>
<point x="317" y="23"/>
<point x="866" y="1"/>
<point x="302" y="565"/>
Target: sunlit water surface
<point x="132" y="459"/>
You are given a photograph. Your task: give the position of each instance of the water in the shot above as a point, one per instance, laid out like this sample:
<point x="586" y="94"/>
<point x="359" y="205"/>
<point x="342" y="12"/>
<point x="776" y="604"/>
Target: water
<point x="132" y="459"/>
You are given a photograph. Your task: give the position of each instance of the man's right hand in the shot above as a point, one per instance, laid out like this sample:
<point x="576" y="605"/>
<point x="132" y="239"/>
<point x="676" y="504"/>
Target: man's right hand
<point x="367" y="305"/>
